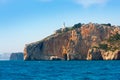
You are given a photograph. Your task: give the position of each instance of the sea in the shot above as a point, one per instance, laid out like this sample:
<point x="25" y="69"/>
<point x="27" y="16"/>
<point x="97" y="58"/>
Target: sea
<point x="59" y="70"/>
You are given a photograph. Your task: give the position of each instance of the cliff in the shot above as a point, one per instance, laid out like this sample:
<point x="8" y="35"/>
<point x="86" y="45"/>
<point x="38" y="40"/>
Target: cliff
<point x="80" y="42"/>
<point x="16" y="56"/>
<point x="108" y="50"/>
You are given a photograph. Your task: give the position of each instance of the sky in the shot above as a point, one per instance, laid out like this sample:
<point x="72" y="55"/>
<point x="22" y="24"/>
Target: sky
<point x="26" y="21"/>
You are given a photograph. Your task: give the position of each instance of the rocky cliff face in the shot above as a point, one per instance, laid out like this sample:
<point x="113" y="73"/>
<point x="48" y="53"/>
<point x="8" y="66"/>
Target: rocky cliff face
<point x="75" y="43"/>
<point x="17" y="56"/>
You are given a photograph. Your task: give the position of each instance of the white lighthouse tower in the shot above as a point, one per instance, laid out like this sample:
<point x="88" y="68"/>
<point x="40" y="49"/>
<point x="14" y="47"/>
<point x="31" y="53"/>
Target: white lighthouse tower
<point x="63" y="25"/>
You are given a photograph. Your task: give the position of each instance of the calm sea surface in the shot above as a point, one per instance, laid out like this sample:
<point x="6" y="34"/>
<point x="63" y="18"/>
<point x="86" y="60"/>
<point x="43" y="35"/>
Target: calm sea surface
<point x="59" y="70"/>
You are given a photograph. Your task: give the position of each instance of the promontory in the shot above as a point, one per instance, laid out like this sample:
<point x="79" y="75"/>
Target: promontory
<point x="90" y="41"/>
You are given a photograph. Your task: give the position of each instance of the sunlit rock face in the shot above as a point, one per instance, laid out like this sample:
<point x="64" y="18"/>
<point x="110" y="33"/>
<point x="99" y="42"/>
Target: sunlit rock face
<point x="74" y="43"/>
<point x="17" y="56"/>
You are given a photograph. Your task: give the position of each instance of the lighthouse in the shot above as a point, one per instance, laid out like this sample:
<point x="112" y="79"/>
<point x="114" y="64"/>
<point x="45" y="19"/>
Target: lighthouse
<point x="63" y="25"/>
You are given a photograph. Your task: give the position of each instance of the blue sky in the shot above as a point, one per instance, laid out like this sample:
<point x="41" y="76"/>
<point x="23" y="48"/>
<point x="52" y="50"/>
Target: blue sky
<point x="26" y="21"/>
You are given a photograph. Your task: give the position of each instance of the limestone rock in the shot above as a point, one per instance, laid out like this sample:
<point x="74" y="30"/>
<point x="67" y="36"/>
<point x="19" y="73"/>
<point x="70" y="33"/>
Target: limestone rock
<point x="73" y="43"/>
<point x="111" y="55"/>
<point x="94" y="54"/>
<point x="118" y="55"/>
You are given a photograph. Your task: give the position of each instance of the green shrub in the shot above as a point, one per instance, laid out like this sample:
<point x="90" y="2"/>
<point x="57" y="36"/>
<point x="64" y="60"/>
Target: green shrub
<point x="114" y="38"/>
<point x="95" y="47"/>
<point x="103" y="46"/>
<point x="106" y="24"/>
<point x="77" y="25"/>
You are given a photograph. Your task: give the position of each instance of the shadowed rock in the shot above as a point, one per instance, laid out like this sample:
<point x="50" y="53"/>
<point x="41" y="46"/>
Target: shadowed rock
<point x="16" y="56"/>
<point x="94" y="54"/>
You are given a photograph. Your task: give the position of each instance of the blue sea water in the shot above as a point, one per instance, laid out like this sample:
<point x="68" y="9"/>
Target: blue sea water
<point x="59" y="70"/>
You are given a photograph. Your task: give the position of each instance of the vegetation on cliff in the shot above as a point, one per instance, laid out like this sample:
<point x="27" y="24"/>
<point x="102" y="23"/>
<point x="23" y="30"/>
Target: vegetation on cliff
<point x="112" y="44"/>
<point x="115" y="37"/>
<point x="80" y="42"/>
<point x="66" y="29"/>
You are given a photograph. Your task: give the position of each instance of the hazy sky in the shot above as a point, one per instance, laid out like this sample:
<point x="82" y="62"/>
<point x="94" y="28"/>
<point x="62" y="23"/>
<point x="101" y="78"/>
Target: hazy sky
<point x="26" y="21"/>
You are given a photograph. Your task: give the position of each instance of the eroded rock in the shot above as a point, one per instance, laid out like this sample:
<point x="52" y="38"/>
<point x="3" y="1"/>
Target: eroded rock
<point x="75" y="41"/>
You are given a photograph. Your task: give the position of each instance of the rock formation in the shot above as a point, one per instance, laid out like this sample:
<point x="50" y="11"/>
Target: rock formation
<point x="111" y="55"/>
<point x="80" y="42"/>
<point x="94" y="54"/>
<point x="16" y="56"/>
